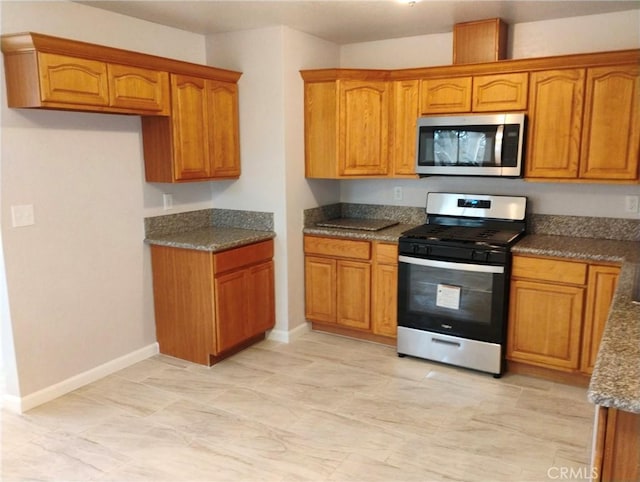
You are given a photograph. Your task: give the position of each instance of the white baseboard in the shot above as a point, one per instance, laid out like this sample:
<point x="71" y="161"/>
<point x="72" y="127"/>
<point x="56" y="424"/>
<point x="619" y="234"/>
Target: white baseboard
<point x="288" y="336"/>
<point x="22" y="404"/>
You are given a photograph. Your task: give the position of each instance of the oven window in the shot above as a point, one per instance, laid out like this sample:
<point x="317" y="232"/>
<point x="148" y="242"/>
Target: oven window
<point x="456" y="295"/>
<point x="451" y="300"/>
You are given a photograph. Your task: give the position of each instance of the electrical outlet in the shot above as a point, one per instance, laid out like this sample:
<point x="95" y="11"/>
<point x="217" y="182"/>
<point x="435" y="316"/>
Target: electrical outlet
<point x="632" y="204"/>
<point x="22" y="215"/>
<point x="397" y="193"/>
<point x="167" y="201"/>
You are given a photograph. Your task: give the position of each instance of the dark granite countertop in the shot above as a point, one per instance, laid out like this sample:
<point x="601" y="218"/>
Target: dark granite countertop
<point x="210" y="238"/>
<point x="616" y="376"/>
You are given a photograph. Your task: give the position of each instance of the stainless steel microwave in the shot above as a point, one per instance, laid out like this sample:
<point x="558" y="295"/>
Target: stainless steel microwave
<point x="471" y="145"/>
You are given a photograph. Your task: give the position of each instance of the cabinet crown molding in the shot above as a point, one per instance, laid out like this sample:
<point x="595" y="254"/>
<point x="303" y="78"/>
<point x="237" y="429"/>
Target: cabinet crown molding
<point x="27" y="42"/>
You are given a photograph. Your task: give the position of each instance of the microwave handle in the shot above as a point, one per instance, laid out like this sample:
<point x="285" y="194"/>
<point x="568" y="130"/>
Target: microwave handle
<point x="497" y="150"/>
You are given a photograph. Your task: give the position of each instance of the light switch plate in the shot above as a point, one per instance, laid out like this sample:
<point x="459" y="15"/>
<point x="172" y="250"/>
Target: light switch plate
<point x="22" y="215"/>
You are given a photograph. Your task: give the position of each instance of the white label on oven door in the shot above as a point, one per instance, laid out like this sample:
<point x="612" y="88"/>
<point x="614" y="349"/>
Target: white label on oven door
<point x="448" y="297"/>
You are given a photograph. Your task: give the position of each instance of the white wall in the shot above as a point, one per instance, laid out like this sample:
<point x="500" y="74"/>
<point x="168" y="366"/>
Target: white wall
<point x="78" y="281"/>
<point x="271" y="146"/>
<point x="615" y="31"/>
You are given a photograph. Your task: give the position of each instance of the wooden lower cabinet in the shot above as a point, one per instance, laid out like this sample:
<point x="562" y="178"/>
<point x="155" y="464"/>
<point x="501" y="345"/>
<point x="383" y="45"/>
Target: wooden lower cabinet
<point x="557" y="312"/>
<point x="210" y="305"/>
<point x="350" y="287"/>
<point x="385" y="290"/>
<point x="616" y="450"/>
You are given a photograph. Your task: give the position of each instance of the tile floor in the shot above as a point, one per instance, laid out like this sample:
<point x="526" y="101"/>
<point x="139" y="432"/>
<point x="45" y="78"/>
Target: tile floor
<point x="323" y="408"/>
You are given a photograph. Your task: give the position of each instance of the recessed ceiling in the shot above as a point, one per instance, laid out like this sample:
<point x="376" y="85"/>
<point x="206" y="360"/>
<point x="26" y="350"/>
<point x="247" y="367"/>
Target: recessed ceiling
<point x="350" y="21"/>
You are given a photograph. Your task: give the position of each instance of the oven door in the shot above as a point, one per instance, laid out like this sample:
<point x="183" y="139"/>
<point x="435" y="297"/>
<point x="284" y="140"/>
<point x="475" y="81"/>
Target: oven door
<point x="462" y="299"/>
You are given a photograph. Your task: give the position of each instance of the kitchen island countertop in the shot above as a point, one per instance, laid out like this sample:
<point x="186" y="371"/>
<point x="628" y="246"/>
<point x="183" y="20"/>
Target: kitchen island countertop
<point x="615" y="381"/>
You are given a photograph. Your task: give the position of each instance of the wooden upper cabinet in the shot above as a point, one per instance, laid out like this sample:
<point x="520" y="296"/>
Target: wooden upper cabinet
<point x="481" y="93"/>
<point x="190" y="124"/>
<point x="346" y="123"/>
<point x="498" y="93"/>
<point x="584" y="124"/>
<point x="555" y="123"/>
<point x="199" y="140"/>
<point x="363" y="146"/>
<point x="611" y="126"/>
<point x="442" y="96"/>
<point x="138" y="88"/>
<point x="224" y="140"/>
<point x="72" y="80"/>
<point x="403" y="126"/>
<point x="55" y="81"/>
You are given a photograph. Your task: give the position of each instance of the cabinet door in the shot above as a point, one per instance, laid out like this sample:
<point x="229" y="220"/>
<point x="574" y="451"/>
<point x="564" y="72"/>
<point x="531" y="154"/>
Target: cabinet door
<point x="403" y="132"/>
<point x="602" y="285"/>
<point x="363" y="128"/>
<point x="385" y="306"/>
<point x="190" y="128"/>
<point x="139" y="89"/>
<point x="224" y="144"/>
<point x="260" y="299"/>
<point x="353" y="294"/>
<point x="384" y="314"/>
<point x="503" y="92"/>
<point x="231" y="309"/>
<point x="611" y="127"/>
<point x="440" y="96"/>
<point x="545" y="321"/>
<point x="71" y="80"/>
<point x="320" y="289"/>
<point x="555" y="123"/>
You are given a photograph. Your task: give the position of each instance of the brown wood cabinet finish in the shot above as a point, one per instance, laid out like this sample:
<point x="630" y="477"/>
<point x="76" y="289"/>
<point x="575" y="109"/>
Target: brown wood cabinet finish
<point x="500" y="93"/>
<point x="582" y="113"/>
<point x="557" y="312"/>
<point x="611" y="123"/>
<point x="584" y="124"/>
<point x="190" y="119"/>
<point x="350" y="287"/>
<point x="480" y="41"/>
<point x="384" y="315"/>
<point x="445" y="96"/>
<point x="555" y="123"/>
<point x="601" y="288"/>
<point x="403" y="122"/>
<point x="346" y="124"/>
<point x="616" y="452"/>
<point x="209" y="305"/>
<point x="199" y="141"/>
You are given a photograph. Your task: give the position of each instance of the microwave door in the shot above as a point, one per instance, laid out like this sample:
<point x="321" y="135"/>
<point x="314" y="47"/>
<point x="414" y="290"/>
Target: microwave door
<point x="445" y="147"/>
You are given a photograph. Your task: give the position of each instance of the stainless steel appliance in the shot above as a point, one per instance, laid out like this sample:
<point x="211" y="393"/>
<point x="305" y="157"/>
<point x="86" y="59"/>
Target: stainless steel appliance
<point x="453" y="279"/>
<point x="471" y="145"/>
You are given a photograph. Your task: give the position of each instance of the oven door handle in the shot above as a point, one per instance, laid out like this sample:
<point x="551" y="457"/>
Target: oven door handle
<point x="432" y="263"/>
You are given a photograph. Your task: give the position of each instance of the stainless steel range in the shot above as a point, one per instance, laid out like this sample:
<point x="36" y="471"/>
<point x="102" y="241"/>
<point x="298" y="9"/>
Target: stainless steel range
<point x="453" y="280"/>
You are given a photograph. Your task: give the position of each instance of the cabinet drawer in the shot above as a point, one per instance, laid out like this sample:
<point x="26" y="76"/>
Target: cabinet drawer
<point x="549" y="270"/>
<point x="386" y="253"/>
<point x="338" y="248"/>
<point x="244" y="256"/>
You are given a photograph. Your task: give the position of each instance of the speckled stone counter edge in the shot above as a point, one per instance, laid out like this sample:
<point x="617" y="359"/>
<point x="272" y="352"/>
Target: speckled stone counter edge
<point x="192" y="220"/>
